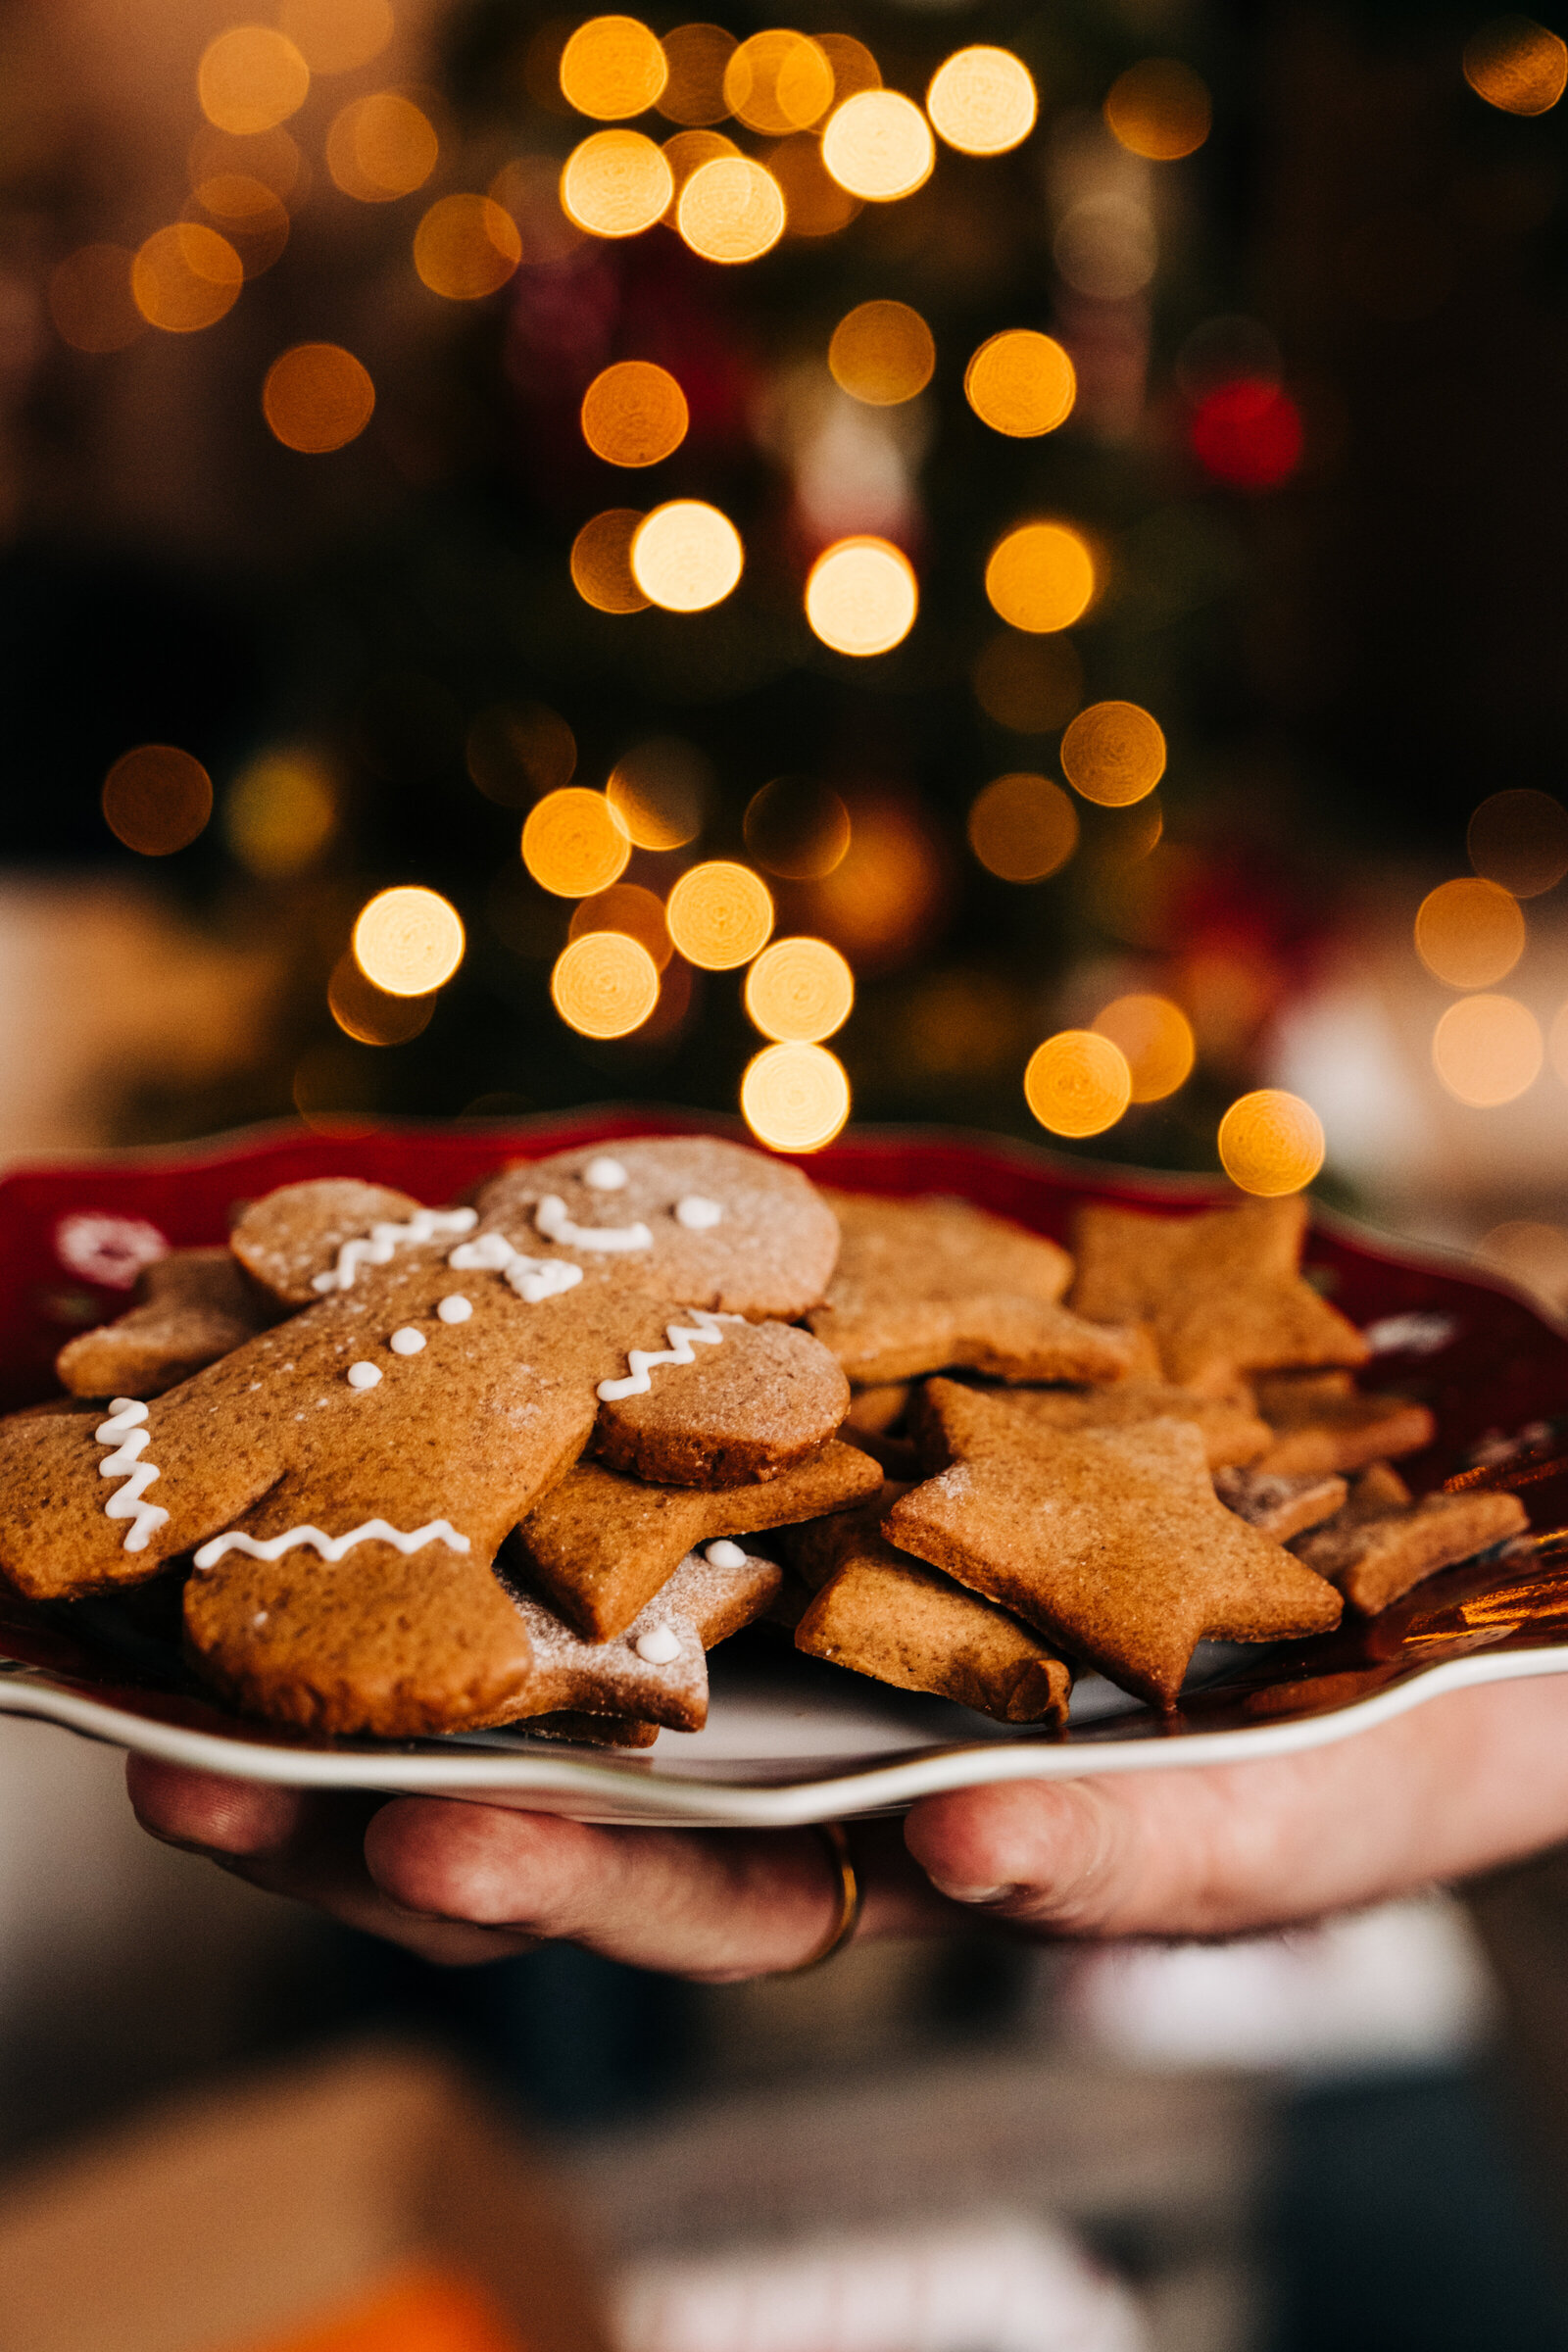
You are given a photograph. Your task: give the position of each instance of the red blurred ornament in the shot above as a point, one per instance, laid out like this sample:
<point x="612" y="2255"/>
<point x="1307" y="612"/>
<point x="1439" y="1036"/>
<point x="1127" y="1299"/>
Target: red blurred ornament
<point x="1247" y="433"/>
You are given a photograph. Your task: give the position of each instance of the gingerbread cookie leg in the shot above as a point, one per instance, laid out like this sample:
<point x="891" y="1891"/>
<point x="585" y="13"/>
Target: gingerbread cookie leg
<point x="1381" y="1543"/>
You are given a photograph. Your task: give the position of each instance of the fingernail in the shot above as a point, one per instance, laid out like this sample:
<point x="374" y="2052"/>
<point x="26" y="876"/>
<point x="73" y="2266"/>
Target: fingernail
<point x="970" y="1894"/>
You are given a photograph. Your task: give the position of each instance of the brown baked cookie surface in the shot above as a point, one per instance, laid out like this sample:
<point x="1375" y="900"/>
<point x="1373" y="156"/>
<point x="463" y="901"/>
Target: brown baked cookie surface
<point x="1231" y="1429"/>
<point x="1221" y="1292"/>
<point x="1381" y="1543"/>
<point x="1321" y="1422"/>
<point x="1278" y="1503"/>
<point x="883" y="1614"/>
<point x="599" y="1547"/>
<point x="192" y="1307"/>
<point x="288" y="1239"/>
<point x="1110" y="1542"/>
<point x="924" y="1285"/>
<point x="768" y="1399"/>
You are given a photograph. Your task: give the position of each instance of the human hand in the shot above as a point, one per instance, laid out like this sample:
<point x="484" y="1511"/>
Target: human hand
<point x="1453" y="1787"/>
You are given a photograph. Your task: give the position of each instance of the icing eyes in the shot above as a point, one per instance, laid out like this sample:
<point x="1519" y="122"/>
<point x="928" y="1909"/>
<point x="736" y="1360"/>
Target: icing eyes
<point x="698" y="1214"/>
<point x="456" y="1308"/>
<point x="604" y="1176"/>
<point x="406" y="1341"/>
<point x="364" y="1376"/>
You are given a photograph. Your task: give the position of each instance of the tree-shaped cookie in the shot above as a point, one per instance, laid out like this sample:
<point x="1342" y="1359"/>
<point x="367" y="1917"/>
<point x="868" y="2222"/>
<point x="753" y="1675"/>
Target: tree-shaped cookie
<point x="1110" y="1542"/>
<point x="927" y="1285"/>
<point x="372" y="1452"/>
<point x="1221" y="1292"/>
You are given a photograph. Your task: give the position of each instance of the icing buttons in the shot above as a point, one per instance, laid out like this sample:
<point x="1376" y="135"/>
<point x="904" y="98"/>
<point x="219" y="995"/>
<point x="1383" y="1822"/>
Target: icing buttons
<point x="533" y="1278"/>
<point x="406" y="1341"/>
<point x="455" y="1309"/>
<point x="384" y="1239"/>
<point x="703" y="1330"/>
<point x="554" y="1223"/>
<point x="604" y="1176"/>
<point x="364" y="1376"/>
<point x="724" y="1555"/>
<point x="331" y="1548"/>
<point x="124" y="1432"/>
<point x="696" y="1214"/>
<point x="659" y="1645"/>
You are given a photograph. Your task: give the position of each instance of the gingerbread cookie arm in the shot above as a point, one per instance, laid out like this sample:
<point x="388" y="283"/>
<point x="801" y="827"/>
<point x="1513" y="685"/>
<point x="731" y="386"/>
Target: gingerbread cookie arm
<point x="748" y="1401"/>
<point x="1381" y="1544"/>
<point x="599" y="1547"/>
<point x="194" y="1307"/>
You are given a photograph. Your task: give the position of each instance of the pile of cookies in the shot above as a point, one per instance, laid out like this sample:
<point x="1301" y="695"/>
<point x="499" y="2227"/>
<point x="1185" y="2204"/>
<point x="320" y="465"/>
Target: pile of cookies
<point x="432" y="1470"/>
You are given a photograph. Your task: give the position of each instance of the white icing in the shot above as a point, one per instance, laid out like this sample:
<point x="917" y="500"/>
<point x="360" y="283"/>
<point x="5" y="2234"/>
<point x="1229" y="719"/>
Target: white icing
<point x="696" y="1214"/>
<point x="554" y="1223"/>
<point x="406" y="1341"/>
<point x="330" y="1548"/>
<point x="533" y="1278"/>
<point x="364" y="1376"/>
<point x="703" y="1331"/>
<point x="455" y="1309"/>
<point x="425" y="1225"/>
<point x="724" y="1555"/>
<point x="659" y="1645"/>
<point x="604" y="1176"/>
<point x="123" y="1431"/>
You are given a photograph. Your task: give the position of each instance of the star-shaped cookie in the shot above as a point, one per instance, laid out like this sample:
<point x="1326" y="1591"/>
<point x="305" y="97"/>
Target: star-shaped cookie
<point x="1381" y="1542"/>
<point x="1221" y="1292"/>
<point x="926" y="1285"/>
<point x="1233" y="1434"/>
<point x="1110" y="1542"/>
<point x="1321" y="1421"/>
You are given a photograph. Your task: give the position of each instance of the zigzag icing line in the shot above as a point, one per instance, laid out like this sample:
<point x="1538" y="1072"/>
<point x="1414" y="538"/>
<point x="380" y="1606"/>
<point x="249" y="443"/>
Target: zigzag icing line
<point x="703" y="1331"/>
<point x="330" y="1548"/>
<point x="425" y="1225"/>
<point x="533" y="1278"/>
<point x="123" y="1431"/>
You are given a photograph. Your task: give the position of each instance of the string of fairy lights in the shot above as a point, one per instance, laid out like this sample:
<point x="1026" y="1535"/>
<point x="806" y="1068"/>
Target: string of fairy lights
<point x="826" y="138"/>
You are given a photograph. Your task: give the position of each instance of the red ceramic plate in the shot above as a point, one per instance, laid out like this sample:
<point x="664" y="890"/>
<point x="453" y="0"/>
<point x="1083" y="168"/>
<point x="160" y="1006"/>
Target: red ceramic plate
<point x="790" y="1739"/>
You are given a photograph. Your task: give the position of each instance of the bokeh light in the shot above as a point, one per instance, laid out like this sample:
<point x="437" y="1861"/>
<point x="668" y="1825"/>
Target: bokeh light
<point x="720" y="915"/>
<point x="279" y="813"/>
<point x="318" y="397"/>
<point x="731" y="210"/>
<point x="1517" y="64"/>
<point x="90" y="300"/>
<point x="861" y="597"/>
<point x="466" y="247"/>
<point x="1022" y="383"/>
<point x="1040" y="577"/>
<point x="269" y="156"/>
<point x="336" y="36"/>
<point x="605" y="984"/>
<point x="600" y="561"/>
<point x="1155" y="1038"/>
<point x="800" y="990"/>
<point x="777" y="83"/>
<point x="1023" y="827"/>
<point x="798" y="829"/>
<point x="528" y="187"/>
<point x="574" y="843"/>
<point x="634" y="413"/>
<point x="1469" y="933"/>
<point x="1532" y="1256"/>
<point x="372" y="1015"/>
<point x="1030" y="684"/>
<point x="613" y="67"/>
<point x="686" y="556"/>
<point x="1557" y="1044"/>
<point x="156" y="799"/>
<point x="1271" y="1143"/>
<point x="516" y="752"/>
<point x="854" y="66"/>
<point x="408" y="940"/>
<point x="795" y="1097"/>
<point x="1077" y="1083"/>
<point x="687" y="152"/>
<point x="1520" y="840"/>
<point x="616" y="184"/>
<point x="882" y="353"/>
<point x="1159" y="110"/>
<point x="251" y="215"/>
<point x="660" y="790"/>
<point x="381" y="147"/>
<point x="1487" y="1050"/>
<point x="185" y="278"/>
<point x="1107" y="246"/>
<point x="815" y="205"/>
<point x="885" y="900"/>
<point x="1114" y="753"/>
<point x="251" y="78"/>
<point x="1247" y="433"/>
<point x="878" y="145"/>
<point x="625" y="906"/>
<point x="982" y="101"/>
<point x="696" y="55"/>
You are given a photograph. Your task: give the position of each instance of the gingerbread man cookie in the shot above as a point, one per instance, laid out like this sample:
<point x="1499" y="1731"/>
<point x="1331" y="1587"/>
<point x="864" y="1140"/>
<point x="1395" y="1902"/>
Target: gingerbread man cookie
<point x="1221" y="1292"/>
<point x="192" y="1306"/>
<point x="928" y="1286"/>
<point x="372" y="1453"/>
<point x="1110" y="1542"/>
